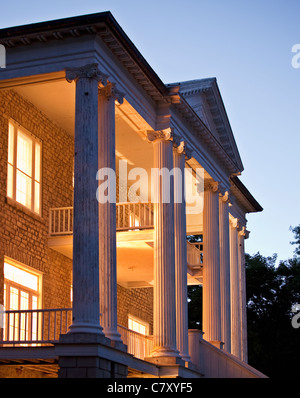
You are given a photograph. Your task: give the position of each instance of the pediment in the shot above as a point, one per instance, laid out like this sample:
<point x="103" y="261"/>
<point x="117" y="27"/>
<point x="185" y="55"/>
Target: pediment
<point x="204" y="97"/>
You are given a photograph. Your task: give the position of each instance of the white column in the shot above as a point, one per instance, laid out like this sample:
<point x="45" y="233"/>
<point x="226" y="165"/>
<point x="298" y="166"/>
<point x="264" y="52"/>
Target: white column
<point x="242" y="235"/>
<point x="164" y="262"/>
<point x="85" y="224"/>
<point x="225" y="272"/>
<point x="107" y="213"/>
<point x="180" y="253"/>
<point x="235" y="290"/>
<point x="211" y="267"/>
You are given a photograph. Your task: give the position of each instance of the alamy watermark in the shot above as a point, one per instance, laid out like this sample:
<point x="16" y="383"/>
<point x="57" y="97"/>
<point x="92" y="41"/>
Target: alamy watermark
<point x="139" y="184"/>
<point x="296" y="57"/>
<point x="2" y="56"/>
<point x="295" y="323"/>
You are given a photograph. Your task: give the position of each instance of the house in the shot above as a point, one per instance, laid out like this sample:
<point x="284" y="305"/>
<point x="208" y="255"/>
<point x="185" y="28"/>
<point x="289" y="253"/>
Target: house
<point x="106" y="171"/>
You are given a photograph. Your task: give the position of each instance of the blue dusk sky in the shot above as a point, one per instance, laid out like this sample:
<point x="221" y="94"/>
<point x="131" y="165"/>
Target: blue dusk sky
<point x="247" y="46"/>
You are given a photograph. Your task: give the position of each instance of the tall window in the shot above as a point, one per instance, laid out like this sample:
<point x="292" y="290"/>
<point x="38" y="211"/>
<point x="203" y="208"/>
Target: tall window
<point x="21" y="292"/>
<point x="24" y="168"/>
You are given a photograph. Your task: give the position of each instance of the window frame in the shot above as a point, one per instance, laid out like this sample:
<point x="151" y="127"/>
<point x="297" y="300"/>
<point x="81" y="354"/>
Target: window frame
<point x="13" y="327"/>
<point x="11" y="190"/>
<point x="140" y="322"/>
<point x="21" y="287"/>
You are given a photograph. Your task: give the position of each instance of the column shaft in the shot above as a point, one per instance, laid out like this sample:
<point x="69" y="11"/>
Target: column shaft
<point x="107" y="216"/>
<point x="85" y="224"/>
<point x="243" y="304"/>
<point x="211" y="268"/>
<point x="235" y="291"/>
<point x="225" y="272"/>
<point x="180" y="255"/>
<point x="164" y="262"/>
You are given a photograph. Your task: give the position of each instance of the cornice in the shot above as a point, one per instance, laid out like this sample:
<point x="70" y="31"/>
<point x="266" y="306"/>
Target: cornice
<point x="243" y="196"/>
<point x="201" y="132"/>
<point x="102" y="25"/>
<point x="217" y="110"/>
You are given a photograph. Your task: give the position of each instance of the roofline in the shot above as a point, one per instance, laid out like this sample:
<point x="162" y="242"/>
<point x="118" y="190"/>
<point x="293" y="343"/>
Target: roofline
<point x="244" y="191"/>
<point x="100" y="19"/>
<point x="211" y="83"/>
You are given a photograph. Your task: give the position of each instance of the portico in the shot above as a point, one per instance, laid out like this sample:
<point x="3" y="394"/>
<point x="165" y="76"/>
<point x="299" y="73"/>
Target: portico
<point x="124" y="230"/>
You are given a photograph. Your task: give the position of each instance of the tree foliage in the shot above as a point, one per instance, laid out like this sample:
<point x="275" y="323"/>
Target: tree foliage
<point x="272" y="291"/>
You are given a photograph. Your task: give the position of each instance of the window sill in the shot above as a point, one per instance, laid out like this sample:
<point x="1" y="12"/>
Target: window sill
<point x="24" y="209"/>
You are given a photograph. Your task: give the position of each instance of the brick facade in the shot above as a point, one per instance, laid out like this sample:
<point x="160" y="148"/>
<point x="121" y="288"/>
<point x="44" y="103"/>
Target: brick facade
<point x="24" y="235"/>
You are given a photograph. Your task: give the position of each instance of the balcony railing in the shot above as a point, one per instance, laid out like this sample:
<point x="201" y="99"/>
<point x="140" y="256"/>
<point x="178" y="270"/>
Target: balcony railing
<point x="137" y="344"/>
<point x="43" y="327"/>
<point x="195" y="253"/>
<point x="129" y="216"/>
<point x="34" y="327"/>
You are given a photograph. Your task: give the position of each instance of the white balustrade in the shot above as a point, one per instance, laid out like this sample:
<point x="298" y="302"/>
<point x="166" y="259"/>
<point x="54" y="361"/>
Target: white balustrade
<point x="44" y="326"/>
<point x="129" y="216"/>
<point x="41" y="326"/>
<point x="61" y="221"/>
<point x="138" y="344"/>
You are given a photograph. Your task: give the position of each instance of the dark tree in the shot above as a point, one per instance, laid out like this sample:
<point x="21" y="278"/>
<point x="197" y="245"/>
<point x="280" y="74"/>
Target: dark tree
<point x="273" y="343"/>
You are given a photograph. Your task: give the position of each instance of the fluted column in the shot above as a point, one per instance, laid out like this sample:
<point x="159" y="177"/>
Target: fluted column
<point x="211" y="268"/>
<point x="235" y="290"/>
<point x="164" y="263"/>
<point x="225" y="272"/>
<point x="107" y="213"/>
<point x="85" y="224"/>
<point x="180" y="252"/>
<point x="242" y="235"/>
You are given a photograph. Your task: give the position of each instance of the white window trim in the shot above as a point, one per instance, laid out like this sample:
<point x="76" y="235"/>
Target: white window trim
<point x="30" y="270"/>
<point x="35" y="140"/>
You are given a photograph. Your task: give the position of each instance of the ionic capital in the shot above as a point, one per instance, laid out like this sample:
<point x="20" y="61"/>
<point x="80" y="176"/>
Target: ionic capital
<point x="224" y="196"/>
<point x="211" y="185"/>
<point x="234" y="222"/>
<point x="160" y="135"/>
<point x="244" y="232"/>
<point x="181" y="147"/>
<point x="89" y="71"/>
<point x="110" y="92"/>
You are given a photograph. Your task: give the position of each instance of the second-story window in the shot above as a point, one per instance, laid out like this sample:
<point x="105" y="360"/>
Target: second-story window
<point x="24" y="168"/>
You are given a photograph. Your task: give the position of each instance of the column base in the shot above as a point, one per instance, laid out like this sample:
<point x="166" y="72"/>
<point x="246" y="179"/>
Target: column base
<point x="79" y="356"/>
<point x="165" y="356"/>
<point x="86" y="328"/>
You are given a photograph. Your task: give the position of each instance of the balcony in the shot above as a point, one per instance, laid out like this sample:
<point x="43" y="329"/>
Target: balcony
<point x="135" y="241"/>
<point x="28" y="338"/>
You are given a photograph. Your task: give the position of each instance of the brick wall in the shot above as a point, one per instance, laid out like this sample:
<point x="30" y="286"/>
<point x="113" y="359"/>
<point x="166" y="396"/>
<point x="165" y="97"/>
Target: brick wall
<point x="137" y="302"/>
<point x="23" y="235"/>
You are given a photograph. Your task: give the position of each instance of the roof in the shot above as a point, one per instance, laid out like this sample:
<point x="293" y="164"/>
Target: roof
<point x="244" y="196"/>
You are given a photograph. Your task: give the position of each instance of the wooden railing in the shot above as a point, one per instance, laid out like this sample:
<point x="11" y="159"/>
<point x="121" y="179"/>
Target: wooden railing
<point x="44" y="326"/>
<point x="137" y="344"/>
<point x="61" y="221"/>
<point x="213" y="362"/>
<point x="134" y="216"/>
<point x="129" y="216"/>
<point x="195" y="253"/>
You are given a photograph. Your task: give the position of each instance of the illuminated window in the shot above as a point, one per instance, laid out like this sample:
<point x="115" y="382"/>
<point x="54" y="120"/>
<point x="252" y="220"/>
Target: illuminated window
<point x="21" y="292"/>
<point x="24" y="168"/>
<point x="137" y="325"/>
